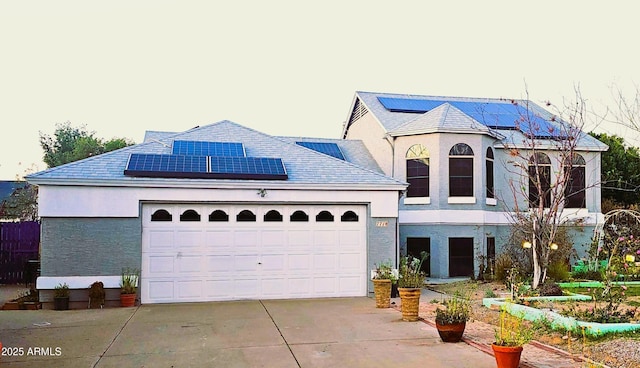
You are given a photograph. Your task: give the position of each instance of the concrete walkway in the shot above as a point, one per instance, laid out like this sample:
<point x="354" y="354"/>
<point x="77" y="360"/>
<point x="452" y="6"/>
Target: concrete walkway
<point x="344" y="332"/>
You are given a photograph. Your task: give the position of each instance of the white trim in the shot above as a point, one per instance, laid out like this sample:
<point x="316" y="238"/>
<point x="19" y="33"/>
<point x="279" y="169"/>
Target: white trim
<point x="492" y="201"/>
<point x="479" y="217"/>
<point x="77" y="282"/>
<point x="417" y="200"/>
<point x="462" y="200"/>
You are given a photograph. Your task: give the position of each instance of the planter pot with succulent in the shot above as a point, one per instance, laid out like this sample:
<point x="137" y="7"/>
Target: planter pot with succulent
<point x="510" y="336"/>
<point x="383" y="277"/>
<point x="129" y="287"/>
<point x="61" y="297"/>
<point x="410" y="283"/>
<point x="452" y="320"/>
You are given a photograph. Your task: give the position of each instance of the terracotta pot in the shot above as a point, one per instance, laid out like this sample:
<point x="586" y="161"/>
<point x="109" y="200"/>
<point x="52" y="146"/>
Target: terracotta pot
<point x="127" y="300"/>
<point x="382" y="291"/>
<point x="410" y="303"/>
<point x="507" y="356"/>
<point x="451" y="332"/>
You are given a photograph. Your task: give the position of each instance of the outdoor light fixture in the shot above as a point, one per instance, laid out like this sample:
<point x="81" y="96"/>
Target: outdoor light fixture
<point x="526" y="244"/>
<point x="630" y="258"/>
<point x="554" y="246"/>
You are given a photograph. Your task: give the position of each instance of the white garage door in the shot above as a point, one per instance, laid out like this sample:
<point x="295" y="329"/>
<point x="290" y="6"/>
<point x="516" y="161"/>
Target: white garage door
<point x="225" y="252"/>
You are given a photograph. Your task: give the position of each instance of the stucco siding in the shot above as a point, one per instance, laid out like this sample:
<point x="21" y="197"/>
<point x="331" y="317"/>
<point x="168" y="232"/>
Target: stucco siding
<point x="372" y="134"/>
<point x="381" y="239"/>
<point x="89" y="246"/>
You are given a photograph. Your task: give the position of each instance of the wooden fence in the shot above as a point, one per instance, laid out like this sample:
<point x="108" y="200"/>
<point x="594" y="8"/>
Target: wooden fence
<point x="19" y="252"/>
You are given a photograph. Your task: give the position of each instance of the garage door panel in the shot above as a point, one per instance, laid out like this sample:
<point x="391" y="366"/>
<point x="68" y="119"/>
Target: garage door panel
<point x="227" y="260"/>
<point x="190" y="264"/>
<point x="219" y="264"/>
<point x="219" y="238"/>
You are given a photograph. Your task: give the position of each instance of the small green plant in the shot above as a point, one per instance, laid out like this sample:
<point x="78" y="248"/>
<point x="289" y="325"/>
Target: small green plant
<point x="129" y="281"/>
<point x="457" y="308"/>
<point x="410" y="275"/>
<point x="61" y="291"/>
<point x="503" y="264"/>
<point x="512" y="330"/>
<point x="489" y="294"/>
<point x="385" y="271"/>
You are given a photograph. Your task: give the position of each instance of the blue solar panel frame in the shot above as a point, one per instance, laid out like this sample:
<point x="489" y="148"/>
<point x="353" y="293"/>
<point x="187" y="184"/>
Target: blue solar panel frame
<point x="327" y="148"/>
<point x="204" y="148"/>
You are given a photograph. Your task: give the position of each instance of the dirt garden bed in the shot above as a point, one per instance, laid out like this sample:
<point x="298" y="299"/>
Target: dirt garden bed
<point x="619" y="351"/>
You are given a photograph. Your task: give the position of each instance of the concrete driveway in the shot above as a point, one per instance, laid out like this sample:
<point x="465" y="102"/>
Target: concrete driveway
<point x="345" y="332"/>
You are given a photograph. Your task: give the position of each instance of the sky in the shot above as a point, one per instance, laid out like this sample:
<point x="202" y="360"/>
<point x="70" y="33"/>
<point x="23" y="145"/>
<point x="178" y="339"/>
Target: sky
<point x="291" y="67"/>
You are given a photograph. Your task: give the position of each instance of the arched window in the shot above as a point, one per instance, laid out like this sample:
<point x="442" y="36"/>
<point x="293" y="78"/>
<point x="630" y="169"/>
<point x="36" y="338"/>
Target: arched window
<point x="489" y="169"/>
<point x="299" y="216"/>
<point x="417" y="163"/>
<point x="539" y="180"/>
<point x="349" y="216"/>
<point x="574" y="192"/>
<point x="161" y="215"/>
<point x="246" y="216"/>
<point x="324" y="216"/>
<point x="190" y="215"/>
<point x="272" y="216"/>
<point x="218" y="216"/>
<point x="461" y="171"/>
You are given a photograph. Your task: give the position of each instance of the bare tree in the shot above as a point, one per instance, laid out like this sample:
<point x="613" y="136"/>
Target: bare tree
<point x="541" y="162"/>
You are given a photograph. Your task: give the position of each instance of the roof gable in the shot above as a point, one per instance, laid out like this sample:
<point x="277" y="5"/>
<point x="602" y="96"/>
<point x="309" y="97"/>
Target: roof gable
<point x="444" y="118"/>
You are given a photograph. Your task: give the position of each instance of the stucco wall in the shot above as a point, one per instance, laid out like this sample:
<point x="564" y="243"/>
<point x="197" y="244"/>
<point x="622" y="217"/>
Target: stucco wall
<point x="372" y="134"/>
<point x="90" y="246"/>
<point x="381" y="243"/>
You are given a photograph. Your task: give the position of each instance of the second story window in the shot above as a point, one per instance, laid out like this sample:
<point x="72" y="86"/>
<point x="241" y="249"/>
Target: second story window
<point x="418" y="171"/>
<point x="461" y="171"/>
<point x="574" y="192"/>
<point x="539" y="180"/>
<point x="489" y="167"/>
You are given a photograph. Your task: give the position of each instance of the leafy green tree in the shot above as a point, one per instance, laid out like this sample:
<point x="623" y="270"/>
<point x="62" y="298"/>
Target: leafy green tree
<point x="22" y="204"/>
<point x="70" y="144"/>
<point x="620" y="171"/>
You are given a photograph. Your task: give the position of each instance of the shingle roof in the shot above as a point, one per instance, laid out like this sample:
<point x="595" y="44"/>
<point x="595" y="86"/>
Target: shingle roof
<point x="444" y="118"/>
<point x="401" y="123"/>
<point x="304" y="166"/>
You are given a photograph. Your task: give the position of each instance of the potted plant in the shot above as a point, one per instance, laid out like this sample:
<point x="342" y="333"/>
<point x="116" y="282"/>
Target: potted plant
<point x="61" y="297"/>
<point x="129" y="287"/>
<point x="452" y="320"/>
<point x="410" y="283"/>
<point x="383" y="276"/>
<point x="510" y="336"/>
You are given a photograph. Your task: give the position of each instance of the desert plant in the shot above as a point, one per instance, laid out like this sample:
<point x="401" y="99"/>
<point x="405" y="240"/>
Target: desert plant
<point x="457" y="309"/>
<point x="558" y="271"/>
<point x="502" y="266"/>
<point x="61" y="291"/>
<point x="550" y="288"/>
<point x="385" y="271"/>
<point x="512" y="330"/>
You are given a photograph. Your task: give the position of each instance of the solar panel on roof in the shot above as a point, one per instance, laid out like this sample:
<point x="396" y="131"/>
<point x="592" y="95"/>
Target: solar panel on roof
<point x="201" y="148"/>
<point x="247" y="168"/>
<point x="408" y="104"/>
<point x="205" y="167"/>
<point x="178" y="166"/>
<point x="328" y="148"/>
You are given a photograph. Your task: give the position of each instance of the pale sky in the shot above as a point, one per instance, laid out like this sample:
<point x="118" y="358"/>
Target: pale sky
<point x="289" y="67"/>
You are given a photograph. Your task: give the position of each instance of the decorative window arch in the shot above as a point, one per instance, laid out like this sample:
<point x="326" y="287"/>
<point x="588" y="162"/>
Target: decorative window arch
<point x="349" y="216"/>
<point x="417" y="165"/>
<point x="324" y="216"/>
<point x="273" y="216"/>
<point x="539" y="167"/>
<point x="190" y="216"/>
<point x="246" y="216"/>
<point x="218" y="216"/>
<point x="574" y="191"/>
<point x="162" y="215"/>
<point x="461" y="171"/>
<point x="489" y="173"/>
<point x="299" y="216"/>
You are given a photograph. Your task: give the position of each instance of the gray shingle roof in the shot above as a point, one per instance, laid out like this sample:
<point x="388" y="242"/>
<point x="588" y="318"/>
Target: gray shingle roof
<point x="402" y="123"/>
<point x="444" y="118"/>
<point x="304" y="166"/>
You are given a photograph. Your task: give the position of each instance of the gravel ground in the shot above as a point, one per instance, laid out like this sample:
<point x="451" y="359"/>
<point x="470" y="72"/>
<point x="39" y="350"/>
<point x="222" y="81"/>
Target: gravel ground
<point x="613" y="352"/>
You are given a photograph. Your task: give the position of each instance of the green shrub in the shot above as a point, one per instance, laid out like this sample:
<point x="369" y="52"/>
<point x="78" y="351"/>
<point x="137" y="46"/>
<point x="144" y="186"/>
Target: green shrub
<point x="550" y="288"/>
<point x="502" y="266"/>
<point x="558" y="271"/>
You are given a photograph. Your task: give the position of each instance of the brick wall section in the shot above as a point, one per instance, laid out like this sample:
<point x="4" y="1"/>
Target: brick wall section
<point x="381" y="244"/>
<point x="90" y="246"/>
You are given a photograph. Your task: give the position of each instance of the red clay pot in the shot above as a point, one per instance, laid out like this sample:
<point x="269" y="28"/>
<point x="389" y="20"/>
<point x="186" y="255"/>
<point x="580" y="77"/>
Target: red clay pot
<point x="507" y="356"/>
<point x="127" y="300"/>
<point x="451" y="332"/>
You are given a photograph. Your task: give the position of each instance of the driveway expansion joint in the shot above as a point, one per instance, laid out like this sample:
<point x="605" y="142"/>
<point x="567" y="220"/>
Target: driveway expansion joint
<point x="280" y="332"/>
